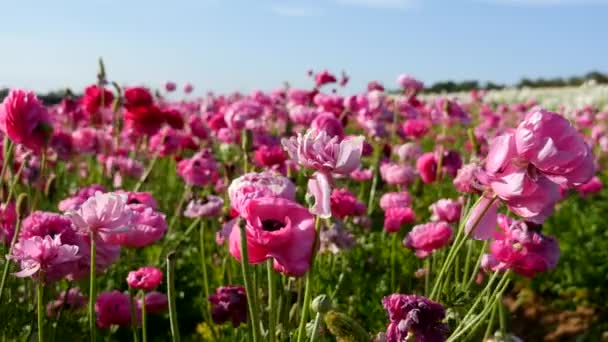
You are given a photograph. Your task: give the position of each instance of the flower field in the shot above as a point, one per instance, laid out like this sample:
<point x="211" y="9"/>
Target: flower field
<point x="304" y="214"/>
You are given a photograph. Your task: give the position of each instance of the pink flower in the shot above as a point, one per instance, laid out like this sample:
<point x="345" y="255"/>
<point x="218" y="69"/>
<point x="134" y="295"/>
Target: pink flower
<point x="427" y="167"/>
<point x="166" y="142"/>
<point x="465" y="180"/>
<point x="409" y="83"/>
<point x="395" y="200"/>
<point x="446" y="210"/>
<point x="140" y="197"/>
<point x="92" y="99"/>
<point x="450" y="112"/>
<point x="396" y="174"/>
<point x="280" y="229"/>
<point x="593" y="186"/>
<point x="208" y="207"/>
<point x="229" y="303"/>
<point x="428" y="237"/>
<point x="323" y="78"/>
<point x="523" y="250"/>
<point x="41" y="223"/>
<point x="47" y="255"/>
<point x="188" y="88"/>
<point x="147" y="227"/>
<point x="302" y="115"/>
<point x="396" y="217"/>
<point x="361" y="175"/>
<point x="263" y="184"/>
<point x="25" y="120"/>
<point x="416" y="128"/>
<point x="412" y="315"/>
<point x="145" y="278"/>
<point x="408" y="151"/>
<point x="8" y="218"/>
<point x="329" y="123"/>
<point x="72" y="300"/>
<point x="268" y="156"/>
<point x="317" y="150"/>
<point x="156" y="302"/>
<point x="102" y="214"/>
<point x="113" y="308"/>
<point x="344" y="203"/>
<point x="76" y="200"/>
<point x="170" y="86"/>
<point x="240" y="114"/>
<point x="199" y="170"/>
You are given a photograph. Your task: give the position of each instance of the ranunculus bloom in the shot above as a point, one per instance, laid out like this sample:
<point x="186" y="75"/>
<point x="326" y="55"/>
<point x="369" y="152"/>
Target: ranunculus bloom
<point x="267" y="156"/>
<point x="465" y="180"/>
<point x="229" y="303"/>
<point x="113" y="308"/>
<point x="47" y="255"/>
<point x="523" y="250"/>
<point x="396" y="217"/>
<point x="102" y="214"/>
<point x="302" y="115"/>
<point x="263" y="184"/>
<point x="446" y="210"/>
<point x="170" y="86"/>
<point x="362" y="175"/>
<point x="449" y="112"/>
<point x="8" y="218"/>
<point x="72" y="300"/>
<point x="188" y="88"/>
<point x="408" y="151"/>
<point x="409" y="84"/>
<point x="25" y="120"/>
<point x="427" y="167"/>
<point x="396" y="174"/>
<point x="344" y="203"/>
<point x="147" y="227"/>
<point x="166" y="142"/>
<point x="145" y="278"/>
<point x="140" y="197"/>
<point x="156" y="302"/>
<point x="92" y="98"/>
<point x="208" y="207"/>
<point x="416" y="128"/>
<point x="280" y="229"/>
<point x="329" y="123"/>
<point x="75" y="201"/>
<point x="395" y="200"/>
<point x="428" y="237"/>
<point x="594" y="185"/>
<point x="137" y="97"/>
<point x="199" y="170"/>
<point x="414" y="314"/>
<point x="323" y="78"/>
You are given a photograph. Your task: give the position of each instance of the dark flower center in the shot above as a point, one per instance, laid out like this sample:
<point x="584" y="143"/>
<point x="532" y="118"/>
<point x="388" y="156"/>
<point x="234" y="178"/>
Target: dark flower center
<point x="272" y="225"/>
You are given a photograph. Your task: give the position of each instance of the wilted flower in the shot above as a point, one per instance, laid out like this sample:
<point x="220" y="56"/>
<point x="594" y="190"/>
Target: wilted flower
<point x="428" y="237"/>
<point x="229" y="303"/>
<point x="414" y="314"/>
<point x="145" y="278"/>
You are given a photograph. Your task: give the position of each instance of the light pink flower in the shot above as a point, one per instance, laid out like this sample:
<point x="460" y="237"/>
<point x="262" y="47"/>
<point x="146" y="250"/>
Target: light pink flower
<point x="465" y="180"/>
<point x="102" y="214"/>
<point x="396" y="217"/>
<point x="74" y="202"/>
<point x="395" y="200"/>
<point x="48" y="255"/>
<point x="259" y="184"/>
<point x="145" y="278"/>
<point x="446" y="210"/>
<point x="277" y="228"/>
<point x="208" y="207"/>
<point x="199" y="170"/>
<point x="147" y="227"/>
<point x="396" y="174"/>
<point x="428" y="237"/>
<point x="329" y="123"/>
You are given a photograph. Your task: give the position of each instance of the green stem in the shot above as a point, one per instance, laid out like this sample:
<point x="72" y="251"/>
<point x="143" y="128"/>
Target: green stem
<point x="41" y="311"/>
<point x="376" y="171"/>
<point x="271" y="301"/>
<point x="144" y="314"/>
<point x="92" y="290"/>
<point x="7" y="262"/>
<point x="251" y="292"/>
<point x="490" y="324"/>
<point x="133" y="315"/>
<point x="393" y="243"/>
<point x="171" y="296"/>
<point x="427" y="274"/>
<point x="8" y="154"/>
<point x="477" y="264"/>
<point x="207" y="312"/>
<point x="315" y="328"/>
<point x="502" y="316"/>
<point x="146" y="174"/>
<point x="308" y="287"/>
<point x="178" y="211"/>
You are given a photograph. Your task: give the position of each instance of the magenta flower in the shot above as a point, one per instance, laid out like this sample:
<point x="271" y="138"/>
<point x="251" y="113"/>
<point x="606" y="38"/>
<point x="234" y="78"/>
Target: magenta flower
<point x="102" y="215"/>
<point x="75" y="201"/>
<point x="280" y="229"/>
<point x="593" y="186"/>
<point x="414" y="314"/>
<point x="145" y="278"/>
<point x="446" y="210"/>
<point x="147" y="227"/>
<point x="188" y="88"/>
<point x="166" y="142"/>
<point x="395" y="200"/>
<point x="135" y="197"/>
<point x="113" y="308"/>
<point x="323" y="78"/>
<point x="229" y="303"/>
<point x="329" y="123"/>
<point x="344" y="203"/>
<point x="170" y="86"/>
<point x="47" y="255"/>
<point x="25" y="120"/>
<point x="73" y="300"/>
<point x="396" y="217"/>
<point x="409" y="84"/>
<point x="199" y="170"/>
<point x="208" y="207"/>
<point x="428" y="237"/>
<point x="427" y="167"/>
<point x="8" y="218"/>
<point x="156" y="302"/>
<point x="523" y="250"/>
<point x="396" y="174"/>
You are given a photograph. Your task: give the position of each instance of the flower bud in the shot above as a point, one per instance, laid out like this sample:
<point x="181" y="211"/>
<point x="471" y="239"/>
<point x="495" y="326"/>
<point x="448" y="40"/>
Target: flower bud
<point x="345" y="328"/>
<point x="321" y="304"/>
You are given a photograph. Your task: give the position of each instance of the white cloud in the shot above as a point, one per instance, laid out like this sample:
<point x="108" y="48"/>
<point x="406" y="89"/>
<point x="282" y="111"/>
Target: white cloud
<point x="381" y="4"/>
<point x="296" y="11"/>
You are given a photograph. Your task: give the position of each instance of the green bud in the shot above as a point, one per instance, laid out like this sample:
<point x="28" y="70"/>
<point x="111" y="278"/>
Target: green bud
<point x="344" y="328"/>
<point x="22" y="205"/>
<point x="321" y="304"/>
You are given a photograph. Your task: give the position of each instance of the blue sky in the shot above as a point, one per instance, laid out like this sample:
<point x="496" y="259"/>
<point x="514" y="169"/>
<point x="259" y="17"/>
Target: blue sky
<point x="242" y="45"/>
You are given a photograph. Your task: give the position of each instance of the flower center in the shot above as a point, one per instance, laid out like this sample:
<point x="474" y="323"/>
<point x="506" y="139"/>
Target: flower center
<point x="272" y="225"/>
